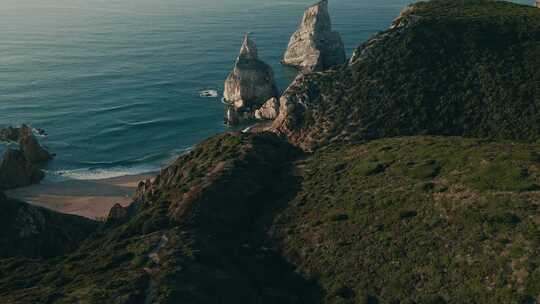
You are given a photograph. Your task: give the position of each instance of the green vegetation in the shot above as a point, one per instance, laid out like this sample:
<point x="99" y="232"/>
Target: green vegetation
<point x="400" y="220"/>
<point x="194" y="231"/>
<point x="368" y="218"/>
<point x="448" y="220"/>
<point x="35" y="232"/>
<point x="462" y="67"/>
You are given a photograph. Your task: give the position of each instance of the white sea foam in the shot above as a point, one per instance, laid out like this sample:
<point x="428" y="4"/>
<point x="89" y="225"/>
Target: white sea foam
<point x="209" y="93"/>
<point x="99" y="173"/>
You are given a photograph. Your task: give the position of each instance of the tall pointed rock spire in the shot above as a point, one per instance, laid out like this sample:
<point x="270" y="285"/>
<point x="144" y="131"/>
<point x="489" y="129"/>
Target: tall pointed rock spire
<point x="248" y="49"/>
<point x="314" y="46"/>
<point x="250" y="84"/>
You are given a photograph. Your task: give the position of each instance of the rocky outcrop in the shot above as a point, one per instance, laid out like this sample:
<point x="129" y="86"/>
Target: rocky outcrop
<point x="314" y="46"/>
<point x="9" y="134"/>
<point x="269" y="110"/>
<point x="16" y="171"/>
<point x="20" y="167"/>
<point x="249" y="85"/>
<point x="28" y="142"/>
<point x="425" y="75"/>
<point x="117" y="214"/>
<point x="31" y="148"/>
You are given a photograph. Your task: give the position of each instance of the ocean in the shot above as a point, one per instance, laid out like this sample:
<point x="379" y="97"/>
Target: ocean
<point x="116" y="83"/>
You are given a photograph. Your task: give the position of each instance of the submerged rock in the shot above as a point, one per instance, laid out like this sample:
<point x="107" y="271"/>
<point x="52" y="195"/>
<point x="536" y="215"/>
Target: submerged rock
<point x="269" y="110"/>
<point x="249" y="85"/>
<point x="16" y="171"/>
<point x="314" y="46"/>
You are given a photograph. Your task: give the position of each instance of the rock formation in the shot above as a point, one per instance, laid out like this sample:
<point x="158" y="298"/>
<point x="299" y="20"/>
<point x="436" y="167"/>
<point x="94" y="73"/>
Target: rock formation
<point x="29" y="144"/>
<point x="20" y="167"/>
<point x="31" y="148"/>
<point x="538" y="3"/>
<point x="269" y="110"/>
<point x="17" y="171"/>
<point x="374" y="95"/>
<point x="117" y="215"/>
<point x="249" y="85"/>
<point x="314" y="46"/>
<point x="9" y="134"/>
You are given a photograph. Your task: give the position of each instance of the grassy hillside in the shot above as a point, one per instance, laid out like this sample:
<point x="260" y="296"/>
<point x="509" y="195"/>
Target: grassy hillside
<point x="193" y="231"/>
<point x="34" y="232"/>
<point x="468" y="68"/>
<point x="373" y="216"/>
<point x="401" y="220"/>
<point x="418" y="220"/>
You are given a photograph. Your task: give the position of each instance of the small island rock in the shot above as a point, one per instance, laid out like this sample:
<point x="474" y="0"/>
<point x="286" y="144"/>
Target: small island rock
<point x="16" y="171"/>
<point x="249" y="85"/>
<point x="314" y="46"/>
<point x="31" y="148"/>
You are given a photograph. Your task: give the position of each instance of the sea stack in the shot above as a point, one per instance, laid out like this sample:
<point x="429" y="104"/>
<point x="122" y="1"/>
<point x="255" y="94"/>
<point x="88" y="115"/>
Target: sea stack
<point x="250" y="84"/>
<point x="314" y="46"/>
<point x="31" y="148"/>
<point x="16" y="171"/>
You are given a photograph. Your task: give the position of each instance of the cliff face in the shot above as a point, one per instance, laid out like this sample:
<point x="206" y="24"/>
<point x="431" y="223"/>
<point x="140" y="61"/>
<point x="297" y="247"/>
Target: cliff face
<point x="249" y="85"/>
<point x="314" y="46"/>
<point x="448" y="68"/>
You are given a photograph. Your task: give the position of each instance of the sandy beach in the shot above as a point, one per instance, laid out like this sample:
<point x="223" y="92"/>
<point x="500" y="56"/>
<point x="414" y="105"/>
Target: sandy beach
<point x="89" y="198"/>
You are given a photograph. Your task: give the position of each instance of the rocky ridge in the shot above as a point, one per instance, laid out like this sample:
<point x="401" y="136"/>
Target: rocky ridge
<point x="414" y="79"/>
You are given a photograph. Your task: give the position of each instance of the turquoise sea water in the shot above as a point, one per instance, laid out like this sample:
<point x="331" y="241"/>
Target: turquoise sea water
<point x="116" y="83"/>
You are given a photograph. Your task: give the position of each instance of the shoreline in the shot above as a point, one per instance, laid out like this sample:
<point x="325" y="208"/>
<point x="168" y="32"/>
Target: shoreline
<point x="91" y="198"/>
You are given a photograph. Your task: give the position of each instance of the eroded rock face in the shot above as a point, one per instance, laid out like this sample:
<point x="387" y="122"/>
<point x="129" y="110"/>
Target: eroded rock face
<point x="16" y="171"/>
<point x="314" y="46"/>
<point x="249" y="85"/>
<point x="117" y="214"/>
<point x="31" y="148"/>
<point x="269" y="110"/>
<point x="9" y="134"/>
